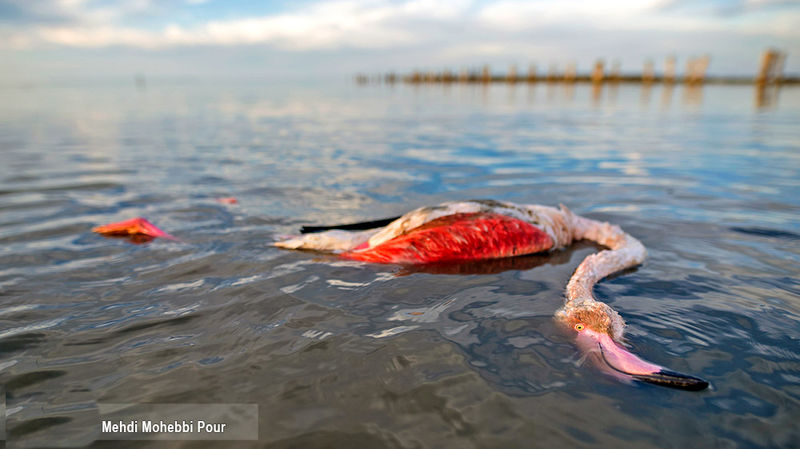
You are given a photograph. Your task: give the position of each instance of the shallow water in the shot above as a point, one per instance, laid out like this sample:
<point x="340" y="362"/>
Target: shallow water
<point x="342" y="354"/>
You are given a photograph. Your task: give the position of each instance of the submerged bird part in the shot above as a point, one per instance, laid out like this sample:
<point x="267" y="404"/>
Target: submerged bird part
<point x="135" y="227"/>
<point x="616" y="361"/>
<point x="227" y="200"/>
<point x="600" y="327"/>
<point x="475" y="230"/>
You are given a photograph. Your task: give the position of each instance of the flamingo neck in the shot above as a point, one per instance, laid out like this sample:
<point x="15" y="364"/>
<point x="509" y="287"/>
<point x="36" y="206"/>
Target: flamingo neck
<point x="624" y="251"/>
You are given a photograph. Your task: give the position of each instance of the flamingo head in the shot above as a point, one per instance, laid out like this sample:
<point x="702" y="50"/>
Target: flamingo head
<point x="598" y="330"/>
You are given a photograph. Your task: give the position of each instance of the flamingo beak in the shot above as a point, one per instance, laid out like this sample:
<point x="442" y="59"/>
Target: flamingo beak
<point x="622" y="363"/>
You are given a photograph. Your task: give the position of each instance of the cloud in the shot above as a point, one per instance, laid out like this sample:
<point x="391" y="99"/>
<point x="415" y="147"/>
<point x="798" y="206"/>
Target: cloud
<point x="727" y="8"/>
<point x="644" y="15"/>
<point x="77" y="13"/>
<point x="336" y="24"/>
<point x="404" y="34"/>
<point x="323" y="26"/>
<point x="524" y="14"/>
<point x="365" y="24"/>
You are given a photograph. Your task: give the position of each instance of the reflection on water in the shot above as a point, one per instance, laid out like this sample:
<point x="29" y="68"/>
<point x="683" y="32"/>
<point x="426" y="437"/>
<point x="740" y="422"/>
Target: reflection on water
<point x="345" y="354"/>
<point x="767" y="95"/>
<point x="492" y="266"/>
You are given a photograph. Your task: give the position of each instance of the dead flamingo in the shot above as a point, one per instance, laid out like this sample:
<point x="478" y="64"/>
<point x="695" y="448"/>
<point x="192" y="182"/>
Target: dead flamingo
<point x="138" y="229"/>
<point x="473" y="230"/>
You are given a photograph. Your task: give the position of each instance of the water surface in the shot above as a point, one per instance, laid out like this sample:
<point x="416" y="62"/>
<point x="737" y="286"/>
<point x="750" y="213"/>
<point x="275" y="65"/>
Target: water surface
<point x="343" y="354"/>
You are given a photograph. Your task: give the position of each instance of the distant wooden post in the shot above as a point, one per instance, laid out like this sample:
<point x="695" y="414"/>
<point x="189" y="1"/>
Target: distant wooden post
<point x="485" y="74"/>
<point x="649" y="72"/>
<point x="669" y="70"/>
<point x="463" y="75"/>
<point x="688" y="77"/>
<point x="551" y="73"/>
<point x="763" y="71"/>
<point x="532" y="73"/>
<point x="701" y="67"/>
<point x="696" y="70"/>
<point x="448" y="76"/>
<point x="570" y="73"/>
<point x="511" y="76"/>
<point x="597" y="73"/>
<point x="771" y="67"/>
<point x="615" y="75"/>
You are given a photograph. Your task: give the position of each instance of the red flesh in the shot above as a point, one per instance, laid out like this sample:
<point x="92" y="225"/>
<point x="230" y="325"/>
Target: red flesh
<point x="132" y="227"/>
<point x="459" y="237"/>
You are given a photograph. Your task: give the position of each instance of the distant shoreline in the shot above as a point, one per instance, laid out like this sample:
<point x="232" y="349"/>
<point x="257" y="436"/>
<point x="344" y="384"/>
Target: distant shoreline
<point x="472" y="78"/>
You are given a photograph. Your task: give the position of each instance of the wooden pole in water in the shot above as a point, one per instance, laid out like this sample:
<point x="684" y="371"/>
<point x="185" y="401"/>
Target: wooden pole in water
<point x="597" y="73"/>
<point x="463" y="75"/>
<point x="696" y="70"/>
<point x="448" y="76"/>
<point x="648" y="73"/>
<point x="511" y="76"/>
<point x="771" y="67"/>
<point x="571" y="73"/>
<point x="669" y="70"/>
<point x="552" y="76"/>
<point x="763" y="71"/>
<point x="615" y="75"/>
<point x="702" y="67"/>
<point x="532" y="73"/>
<point x="688" y="77"/>
<point x="485" y="74"/>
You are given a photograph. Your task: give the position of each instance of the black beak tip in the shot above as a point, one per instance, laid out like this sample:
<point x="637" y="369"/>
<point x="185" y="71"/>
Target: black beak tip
<point x="671" y="379"/>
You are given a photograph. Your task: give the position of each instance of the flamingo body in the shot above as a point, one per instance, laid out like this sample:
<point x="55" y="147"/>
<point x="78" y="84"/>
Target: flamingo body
<point x="458" y="237"/>
<point x="486" y="229"/>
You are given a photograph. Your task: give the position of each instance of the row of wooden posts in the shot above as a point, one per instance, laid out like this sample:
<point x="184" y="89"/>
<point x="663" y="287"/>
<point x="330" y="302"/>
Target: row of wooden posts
<point x="770" y="72"/>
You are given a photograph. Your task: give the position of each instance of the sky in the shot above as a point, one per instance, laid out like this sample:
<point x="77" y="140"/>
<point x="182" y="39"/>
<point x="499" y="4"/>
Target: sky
<point x="44" y="40"/>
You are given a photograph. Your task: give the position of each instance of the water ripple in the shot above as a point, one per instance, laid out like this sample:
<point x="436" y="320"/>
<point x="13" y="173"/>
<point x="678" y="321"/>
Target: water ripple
<point x="464" y="355"/>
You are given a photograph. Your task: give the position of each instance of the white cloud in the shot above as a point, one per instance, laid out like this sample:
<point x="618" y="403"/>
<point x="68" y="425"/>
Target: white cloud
<point x="518" y="14"/>
<point x="326" y="25"/>
<point x="632" y="15"/>
<point x="378" y="23"/>
<point x="97" y="37"/>
<point x="412" y="33"/>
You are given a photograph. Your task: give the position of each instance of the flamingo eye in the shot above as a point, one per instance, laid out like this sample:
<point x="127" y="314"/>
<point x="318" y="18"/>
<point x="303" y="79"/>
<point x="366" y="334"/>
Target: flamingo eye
<point x="579" y="327"/>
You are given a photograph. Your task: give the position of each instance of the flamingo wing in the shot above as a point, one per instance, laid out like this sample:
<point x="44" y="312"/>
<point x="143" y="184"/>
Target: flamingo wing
<point x="459" y="237"/>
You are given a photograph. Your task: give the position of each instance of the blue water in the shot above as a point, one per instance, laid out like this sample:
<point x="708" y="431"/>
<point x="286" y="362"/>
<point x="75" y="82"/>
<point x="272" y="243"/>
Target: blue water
<point x="341" y="354"/>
